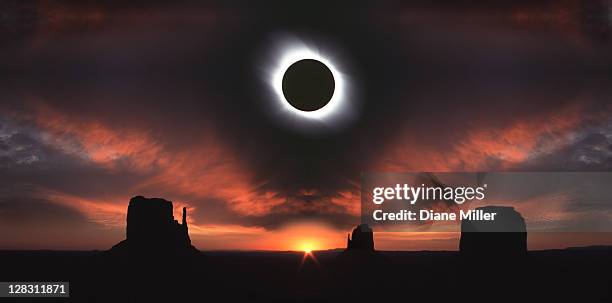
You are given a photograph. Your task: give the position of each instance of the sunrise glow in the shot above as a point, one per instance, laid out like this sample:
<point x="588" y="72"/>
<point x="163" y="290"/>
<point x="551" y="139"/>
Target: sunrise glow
<point x="307" y="247"/>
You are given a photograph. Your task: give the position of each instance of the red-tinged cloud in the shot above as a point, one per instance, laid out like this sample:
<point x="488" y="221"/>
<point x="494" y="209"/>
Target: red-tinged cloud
<point x="508" y="147"/>
<point x="206" y="170"/>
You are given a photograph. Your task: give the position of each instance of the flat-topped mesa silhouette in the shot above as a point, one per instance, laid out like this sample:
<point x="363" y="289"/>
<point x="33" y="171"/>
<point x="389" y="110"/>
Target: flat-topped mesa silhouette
<point x="505" y="236"/>
<point x="151" y="227"/>
<point x="359" y="257"/>
<point x="362" y="239"/>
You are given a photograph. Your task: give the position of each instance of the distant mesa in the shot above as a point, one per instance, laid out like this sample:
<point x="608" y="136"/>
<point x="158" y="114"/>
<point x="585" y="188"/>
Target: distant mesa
<point x="362" y="239"/>
<point x="151" y="228"/>
<point x="505" y="236"/>
<point x="359" y="257"/>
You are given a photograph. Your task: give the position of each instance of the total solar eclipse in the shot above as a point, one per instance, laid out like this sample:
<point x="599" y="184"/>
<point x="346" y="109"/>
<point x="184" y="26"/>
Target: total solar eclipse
<point x="310" y="89"/>
<point x="308" y="85"/>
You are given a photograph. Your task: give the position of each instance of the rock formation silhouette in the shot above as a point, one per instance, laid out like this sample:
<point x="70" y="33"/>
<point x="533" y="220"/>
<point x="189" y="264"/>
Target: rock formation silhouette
<point x="359" y="258"/>
<point x="362" y="238"/>
<point x="151" y="228"/>
<point x="506" y="235"/>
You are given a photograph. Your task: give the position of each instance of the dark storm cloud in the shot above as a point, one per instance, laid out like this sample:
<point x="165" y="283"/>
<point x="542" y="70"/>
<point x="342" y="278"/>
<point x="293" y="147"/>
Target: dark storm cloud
<point x="591" y="151"/>
<point x="178" y="74"/>
<point x="213" y="212"/>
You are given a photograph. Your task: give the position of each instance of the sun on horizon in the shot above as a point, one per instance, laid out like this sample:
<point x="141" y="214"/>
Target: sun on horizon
<point x="307" y="246"/>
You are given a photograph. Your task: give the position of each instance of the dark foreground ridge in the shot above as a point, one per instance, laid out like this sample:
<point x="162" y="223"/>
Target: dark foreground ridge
<point x="151" y="228"/>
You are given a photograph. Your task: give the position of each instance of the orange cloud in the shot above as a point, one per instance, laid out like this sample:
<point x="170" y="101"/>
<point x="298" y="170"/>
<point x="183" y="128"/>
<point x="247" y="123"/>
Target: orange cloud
<point x="98" y="142"/>
<point x="207" y="170"/>
<point x="110" y="213"/>
<point x="350" y="201"/>
<point x="491" y="147"/>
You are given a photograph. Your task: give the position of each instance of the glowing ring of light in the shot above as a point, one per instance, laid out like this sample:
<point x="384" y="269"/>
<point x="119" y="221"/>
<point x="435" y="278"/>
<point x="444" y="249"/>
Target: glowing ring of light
<point x="300" y="53"/>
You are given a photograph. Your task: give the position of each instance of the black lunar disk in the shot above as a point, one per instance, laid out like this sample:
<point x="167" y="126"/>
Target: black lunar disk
<point x="308" y="85"/>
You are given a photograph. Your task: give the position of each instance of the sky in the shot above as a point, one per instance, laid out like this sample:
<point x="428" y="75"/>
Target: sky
<point x="105" y="101"/>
